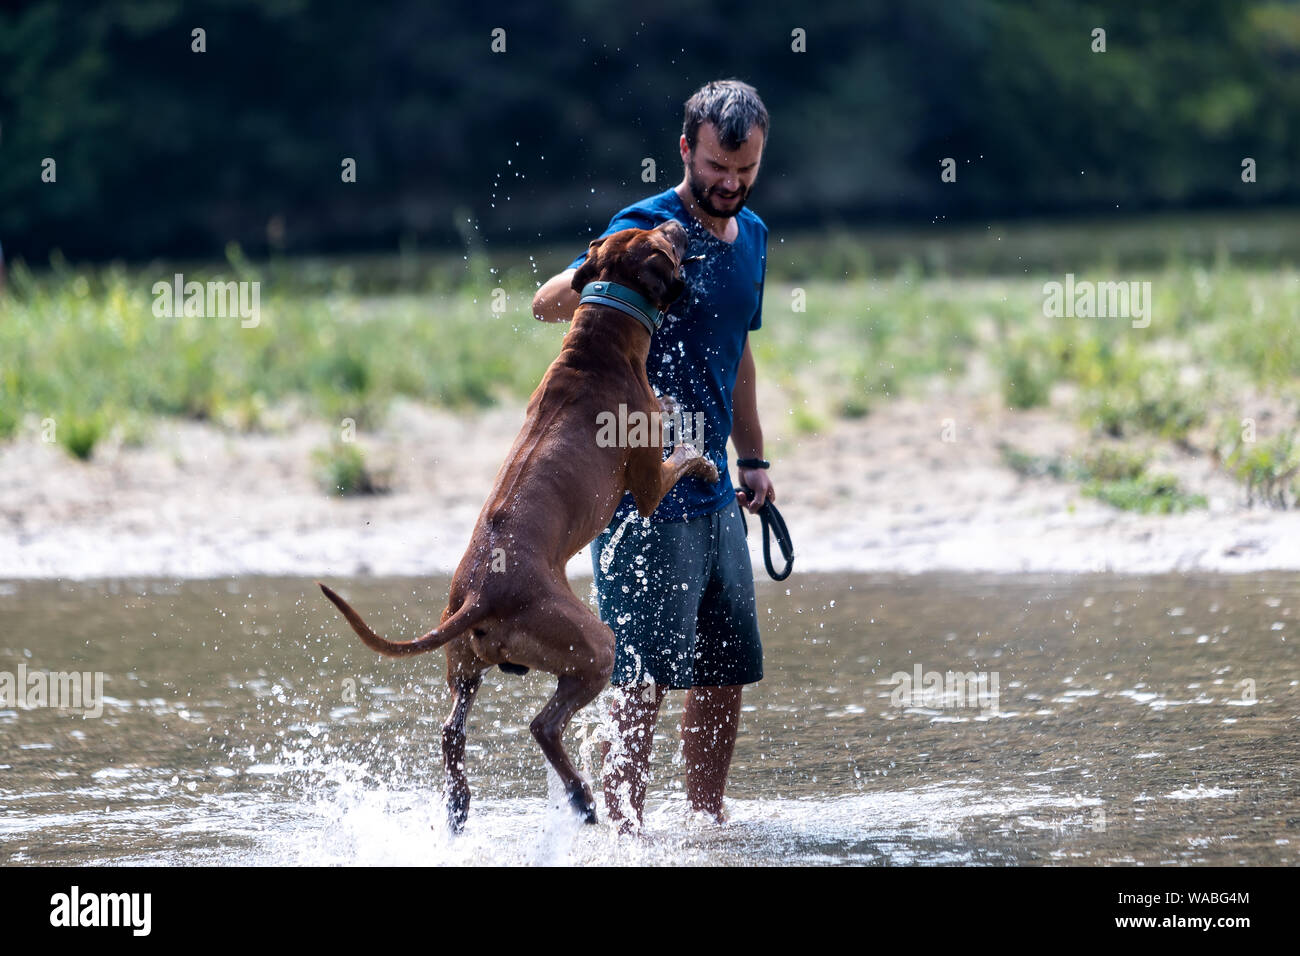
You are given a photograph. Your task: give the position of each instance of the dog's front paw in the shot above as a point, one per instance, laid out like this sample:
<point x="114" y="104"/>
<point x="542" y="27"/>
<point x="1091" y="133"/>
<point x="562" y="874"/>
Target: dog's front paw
<point x="702" y="467"/>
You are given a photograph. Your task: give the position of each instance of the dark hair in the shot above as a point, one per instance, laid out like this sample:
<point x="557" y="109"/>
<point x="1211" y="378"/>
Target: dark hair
<point x="731" y="106"/>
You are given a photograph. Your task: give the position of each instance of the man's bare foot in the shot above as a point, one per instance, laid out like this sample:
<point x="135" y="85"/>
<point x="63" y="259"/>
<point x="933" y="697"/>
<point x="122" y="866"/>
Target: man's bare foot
<point x="707" y="817"/>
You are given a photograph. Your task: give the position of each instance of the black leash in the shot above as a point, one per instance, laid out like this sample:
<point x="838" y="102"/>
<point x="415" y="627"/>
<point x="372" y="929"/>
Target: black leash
<point x="772" y="521"/>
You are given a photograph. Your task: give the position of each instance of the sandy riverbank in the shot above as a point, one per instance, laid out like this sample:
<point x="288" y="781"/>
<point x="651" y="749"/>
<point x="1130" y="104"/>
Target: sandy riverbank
<point x="882" y="493"/>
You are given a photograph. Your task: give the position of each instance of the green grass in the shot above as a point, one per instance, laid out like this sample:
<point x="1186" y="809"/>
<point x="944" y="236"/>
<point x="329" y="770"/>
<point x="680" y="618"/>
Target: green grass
<point x="1267" y="468"/>
<point x="1148" y="494"/>
<point x="79" y="434"/>
<point x="1114" y="474"/>
<point x="86" y="343"/>
<point x="881" y="317"/>
<point x="341" y="469"/>
<point x="861" y="343"/>
<point x="1111" y="463"/>
<point x="1107" y="463"/>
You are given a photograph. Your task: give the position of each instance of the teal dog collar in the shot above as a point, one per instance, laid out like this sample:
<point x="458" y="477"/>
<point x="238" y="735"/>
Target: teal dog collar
<point x="625" y="300"/>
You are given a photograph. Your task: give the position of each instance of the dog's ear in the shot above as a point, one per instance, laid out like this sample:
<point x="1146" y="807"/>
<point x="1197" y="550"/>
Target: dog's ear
<point x="589" y="268"/>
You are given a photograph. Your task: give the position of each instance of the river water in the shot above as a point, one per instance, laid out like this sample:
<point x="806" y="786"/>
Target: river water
<point x="1088" y="719"/>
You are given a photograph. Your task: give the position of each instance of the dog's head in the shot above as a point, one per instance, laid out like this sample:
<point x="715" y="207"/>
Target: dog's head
<point x="646" y="260"/>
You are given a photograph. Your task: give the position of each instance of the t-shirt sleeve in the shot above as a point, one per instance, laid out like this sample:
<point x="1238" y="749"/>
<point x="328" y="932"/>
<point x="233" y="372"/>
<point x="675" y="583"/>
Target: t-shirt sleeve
<point x="629" y="218"/>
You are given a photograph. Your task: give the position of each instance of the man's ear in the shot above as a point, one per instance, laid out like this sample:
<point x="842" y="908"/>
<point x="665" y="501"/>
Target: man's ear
<point x="587" y="271"/>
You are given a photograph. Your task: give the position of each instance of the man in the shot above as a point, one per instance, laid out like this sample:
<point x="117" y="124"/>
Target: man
<point x="679" y="594"/>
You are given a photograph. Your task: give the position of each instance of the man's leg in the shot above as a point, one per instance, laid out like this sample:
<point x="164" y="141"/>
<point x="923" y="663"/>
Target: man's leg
<point x="635" y="711"/>
<point x="709" y="725"/>
<point x="648" y="592"/>
<point x="729" y="654"/>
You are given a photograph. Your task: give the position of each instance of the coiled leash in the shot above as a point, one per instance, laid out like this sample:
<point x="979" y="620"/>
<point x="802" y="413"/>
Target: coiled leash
<point x="772" y="523"/>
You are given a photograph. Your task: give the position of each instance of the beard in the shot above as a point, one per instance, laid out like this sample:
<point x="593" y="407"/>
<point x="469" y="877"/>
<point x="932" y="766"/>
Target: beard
<point x="705" y="198"/>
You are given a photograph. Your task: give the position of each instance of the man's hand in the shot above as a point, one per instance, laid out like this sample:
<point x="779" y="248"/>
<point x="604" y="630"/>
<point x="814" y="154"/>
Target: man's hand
<point x="757" y="479"/>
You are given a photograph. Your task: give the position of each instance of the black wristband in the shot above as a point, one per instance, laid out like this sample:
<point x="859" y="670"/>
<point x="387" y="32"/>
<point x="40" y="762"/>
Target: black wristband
<point x="753" y="463"/>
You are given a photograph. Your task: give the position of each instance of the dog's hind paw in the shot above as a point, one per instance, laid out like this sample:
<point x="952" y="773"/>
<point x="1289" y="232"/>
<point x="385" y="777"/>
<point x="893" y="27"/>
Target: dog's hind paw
<point x="457" y="812"/>
<point x="584" y="805"/>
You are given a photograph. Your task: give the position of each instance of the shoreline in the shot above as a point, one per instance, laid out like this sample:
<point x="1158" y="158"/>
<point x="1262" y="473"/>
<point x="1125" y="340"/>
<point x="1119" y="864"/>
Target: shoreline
<point x="879" y="494"/>
<point x="1202" y="547"/>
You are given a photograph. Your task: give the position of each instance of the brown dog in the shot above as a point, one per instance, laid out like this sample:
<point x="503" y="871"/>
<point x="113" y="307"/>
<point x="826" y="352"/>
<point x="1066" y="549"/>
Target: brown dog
<point x="510" y="602"/>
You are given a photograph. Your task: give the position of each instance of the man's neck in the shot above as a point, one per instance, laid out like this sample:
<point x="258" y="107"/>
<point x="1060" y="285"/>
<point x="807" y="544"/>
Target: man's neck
<point x="720" y="226"/>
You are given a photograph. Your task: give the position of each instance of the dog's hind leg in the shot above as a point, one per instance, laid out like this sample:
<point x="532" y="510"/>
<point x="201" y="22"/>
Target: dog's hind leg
<point x="464" y="677"/>
<point x="571" y="694"/>
<point x="566" y="639"/>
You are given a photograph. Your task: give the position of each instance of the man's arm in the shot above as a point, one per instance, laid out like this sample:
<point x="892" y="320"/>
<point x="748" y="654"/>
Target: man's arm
<point x="747" y="433"/>
<point x="556" y="300"/>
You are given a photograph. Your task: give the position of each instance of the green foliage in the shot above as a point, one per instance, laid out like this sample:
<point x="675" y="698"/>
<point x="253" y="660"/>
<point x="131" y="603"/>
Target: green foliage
<point x="1151" y="400"/>
<point x="83" y="339"/>
<point x="79" y="434"/>
<point x="1112" y="463"/>
<point x="1262" y="340"/>
<point x="1108" y="463"/>
<point x="341" y="470"/>
<point x="859" y="343"/>
<point x="805" y="422"/>
<point x="1035" y="466"/>
<point x="1267" y="468"/>
<point x="1148" y="494"/>
<point x="88" y="339"/>
<point x="1114" y="474"/>
<point x="855" y="406"/>
<point x="155" y="158"/>
<point x="1027" y="375"/>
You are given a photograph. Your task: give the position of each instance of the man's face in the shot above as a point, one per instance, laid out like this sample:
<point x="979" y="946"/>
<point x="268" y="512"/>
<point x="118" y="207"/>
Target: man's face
<point x="720" y="180"/>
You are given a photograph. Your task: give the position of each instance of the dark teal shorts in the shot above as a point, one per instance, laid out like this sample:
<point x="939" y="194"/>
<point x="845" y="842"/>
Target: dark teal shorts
<point x="679" y="596"/>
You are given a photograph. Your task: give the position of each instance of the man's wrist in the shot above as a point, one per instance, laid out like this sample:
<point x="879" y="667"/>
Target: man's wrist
<point x="753" y="463"/>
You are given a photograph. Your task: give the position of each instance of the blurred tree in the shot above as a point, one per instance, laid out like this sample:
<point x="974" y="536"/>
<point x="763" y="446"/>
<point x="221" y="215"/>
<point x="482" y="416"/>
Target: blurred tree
<point x="165" y="151"/>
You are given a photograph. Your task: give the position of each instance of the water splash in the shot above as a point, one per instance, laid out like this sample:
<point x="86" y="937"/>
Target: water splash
<point x="607" y="552"/>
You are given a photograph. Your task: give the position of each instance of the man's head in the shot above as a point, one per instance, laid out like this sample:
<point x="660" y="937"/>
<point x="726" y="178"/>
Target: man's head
<point x="723" y="135"/>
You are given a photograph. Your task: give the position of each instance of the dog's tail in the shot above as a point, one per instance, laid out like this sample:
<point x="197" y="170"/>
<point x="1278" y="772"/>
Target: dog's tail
<point x="469" y="614"/>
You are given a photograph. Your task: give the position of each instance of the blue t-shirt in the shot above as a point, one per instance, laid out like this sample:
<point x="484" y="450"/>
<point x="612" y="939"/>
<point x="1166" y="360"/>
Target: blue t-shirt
<point x="695" y="355"/>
